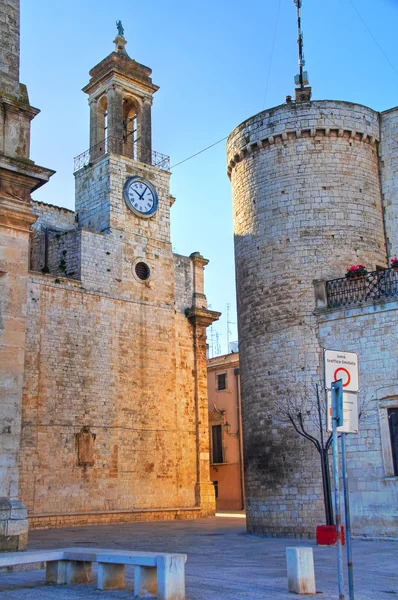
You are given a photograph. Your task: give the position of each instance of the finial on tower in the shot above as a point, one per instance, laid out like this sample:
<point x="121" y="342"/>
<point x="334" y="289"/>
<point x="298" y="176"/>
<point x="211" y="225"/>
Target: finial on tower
<point x="120" y="40"/>
<point x="303" y="94"/>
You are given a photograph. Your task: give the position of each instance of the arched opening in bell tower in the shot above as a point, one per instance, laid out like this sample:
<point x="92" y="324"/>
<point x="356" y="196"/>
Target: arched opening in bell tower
<point x="102" y="120"/>
<point x="131" y="127"/>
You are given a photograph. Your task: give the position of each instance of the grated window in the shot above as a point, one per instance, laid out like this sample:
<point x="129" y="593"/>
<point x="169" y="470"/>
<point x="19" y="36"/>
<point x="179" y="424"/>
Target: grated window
<point x="142" y="271"/>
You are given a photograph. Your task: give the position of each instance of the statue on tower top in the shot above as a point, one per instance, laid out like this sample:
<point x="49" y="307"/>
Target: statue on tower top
<point x="120" y="28"/>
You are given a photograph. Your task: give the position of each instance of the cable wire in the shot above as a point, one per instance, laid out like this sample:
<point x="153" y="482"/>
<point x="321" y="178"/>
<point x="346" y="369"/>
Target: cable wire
<point x="200" y="152"/>
<point x="272" y="53"/>
<point x="269" y="71"/>
<point x="373" y="37"/>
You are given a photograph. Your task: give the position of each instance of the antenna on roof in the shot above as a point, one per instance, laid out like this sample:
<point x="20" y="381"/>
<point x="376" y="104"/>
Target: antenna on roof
<point x="303" y="94"/>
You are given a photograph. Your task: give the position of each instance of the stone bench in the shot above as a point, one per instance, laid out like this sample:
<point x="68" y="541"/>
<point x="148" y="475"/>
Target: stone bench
<point x="160" y="574"/>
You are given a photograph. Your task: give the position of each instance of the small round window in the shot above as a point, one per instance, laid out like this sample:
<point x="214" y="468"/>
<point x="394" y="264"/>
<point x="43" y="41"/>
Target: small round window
<point x="142" y="271"/>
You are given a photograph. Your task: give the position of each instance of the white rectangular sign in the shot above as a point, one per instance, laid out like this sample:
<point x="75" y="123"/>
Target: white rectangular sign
<point x="350" y="413"/>
<point x="341" y="365"/>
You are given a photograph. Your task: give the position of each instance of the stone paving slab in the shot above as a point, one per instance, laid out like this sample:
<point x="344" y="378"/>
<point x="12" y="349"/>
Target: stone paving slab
<point x="224" y="562"/>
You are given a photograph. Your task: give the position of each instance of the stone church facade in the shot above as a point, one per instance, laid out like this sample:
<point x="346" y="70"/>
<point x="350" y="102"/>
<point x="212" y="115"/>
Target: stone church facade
<point x="106" y="412"/>
<point x="315" y="191"/>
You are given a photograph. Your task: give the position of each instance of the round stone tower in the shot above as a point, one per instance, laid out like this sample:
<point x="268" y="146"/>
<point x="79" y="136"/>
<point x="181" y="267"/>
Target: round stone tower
<point x="306" y="205"/>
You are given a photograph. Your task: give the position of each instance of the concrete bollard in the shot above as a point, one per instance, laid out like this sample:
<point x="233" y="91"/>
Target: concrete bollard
<point x="300" y="570"/>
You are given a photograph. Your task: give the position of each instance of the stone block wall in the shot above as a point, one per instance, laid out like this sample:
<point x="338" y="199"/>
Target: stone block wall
<point x="389" y="176"/>
<point x="371" y="331"/>
<point x="99" y="198"/>
<point x="64" y="253"/>
<point x="92" y="184"/>
<point x="54" y="217"/>
<point x="54" y="241"/>
<point x="123" y="369"/>
<point x="306" y="205"/>
<point x="115" y="360"/>
<point x="183" y="281"/>
<point x="13" y="291"/>
<point x="9" y="53"/>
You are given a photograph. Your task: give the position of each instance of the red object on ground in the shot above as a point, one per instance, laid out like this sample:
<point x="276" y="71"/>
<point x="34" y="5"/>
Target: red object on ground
<point x="326" y="535"/>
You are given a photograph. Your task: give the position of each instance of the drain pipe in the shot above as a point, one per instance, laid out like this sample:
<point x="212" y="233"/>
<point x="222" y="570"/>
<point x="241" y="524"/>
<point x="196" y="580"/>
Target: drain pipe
<point x="240" y="439"/>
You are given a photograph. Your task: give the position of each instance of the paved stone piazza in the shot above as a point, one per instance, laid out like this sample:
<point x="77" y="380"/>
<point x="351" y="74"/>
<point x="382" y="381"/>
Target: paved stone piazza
<point x="224" y="562"/>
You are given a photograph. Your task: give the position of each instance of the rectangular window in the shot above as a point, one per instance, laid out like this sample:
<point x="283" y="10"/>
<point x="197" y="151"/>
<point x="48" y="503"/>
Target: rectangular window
<point x="216" y="446"/>
<point x="393" y="421"/>
<point x="222" y="381"/>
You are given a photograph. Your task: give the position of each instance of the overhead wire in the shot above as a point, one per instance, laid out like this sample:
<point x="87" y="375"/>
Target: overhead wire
<point x="373" y="37"/>
<point x="272" y="52"/>
<point x="200" y="152"/>
<point x="265" y="95"/>
<point x="269" y="72"/>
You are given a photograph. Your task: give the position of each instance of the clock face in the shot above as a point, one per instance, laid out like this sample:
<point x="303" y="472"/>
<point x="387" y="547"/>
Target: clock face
<point x="140" y="196"/>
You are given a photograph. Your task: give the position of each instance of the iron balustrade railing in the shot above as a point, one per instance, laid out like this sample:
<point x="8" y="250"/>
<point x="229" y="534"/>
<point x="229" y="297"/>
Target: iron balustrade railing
<point x="377" y="285"/>
<point x="124" y="148"/>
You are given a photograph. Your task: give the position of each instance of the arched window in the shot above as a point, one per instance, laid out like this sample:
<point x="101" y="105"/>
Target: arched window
<point x="388" y="414"/>
<point x="131" y="137"/>
<point x="102" y="124"/>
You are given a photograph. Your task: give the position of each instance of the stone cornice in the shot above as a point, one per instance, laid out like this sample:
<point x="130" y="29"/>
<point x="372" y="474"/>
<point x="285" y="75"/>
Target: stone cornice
<point x="119" y="64"/>
<point x="15" y="105"/>
<point x="16" y="214"/>
<point x="31" y="174"/>
<point x="202" y="316"/>
<point x="198" y="259"/>
<point x="285" y="136"/>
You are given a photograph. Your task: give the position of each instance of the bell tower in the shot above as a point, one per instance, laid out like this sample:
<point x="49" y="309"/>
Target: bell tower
<point x="120" y="94"/>
<point x="120" y="98"/>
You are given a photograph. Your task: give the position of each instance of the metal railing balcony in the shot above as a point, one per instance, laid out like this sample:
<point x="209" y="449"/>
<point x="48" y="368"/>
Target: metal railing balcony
<point x="123" y="148"/>
<point x="375" y="286"/>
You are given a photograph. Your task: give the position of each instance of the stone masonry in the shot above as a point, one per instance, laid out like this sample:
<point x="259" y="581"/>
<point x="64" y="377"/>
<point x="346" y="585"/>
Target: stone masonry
<point x="114" y="418"/>
<point x="307" y="203"/>
<point x="18" y="177"/>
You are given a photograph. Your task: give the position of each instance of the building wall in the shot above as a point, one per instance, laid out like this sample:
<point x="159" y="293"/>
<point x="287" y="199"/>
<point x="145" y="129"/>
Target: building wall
<point x="224" y="407"/>
<point x="9" y="53"/>
<point x="14" y="244"/>
<point x="55" y="241"/>
<point x="389" y="180"/>
<point x="115" y="359"/>
<point x="371" y="331"/>
<point x="111" y="365"/>
<point x="306" y="205"/>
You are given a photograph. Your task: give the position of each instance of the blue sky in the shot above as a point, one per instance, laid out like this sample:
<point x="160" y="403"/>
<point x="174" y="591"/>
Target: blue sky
<point x="212" y="61"/>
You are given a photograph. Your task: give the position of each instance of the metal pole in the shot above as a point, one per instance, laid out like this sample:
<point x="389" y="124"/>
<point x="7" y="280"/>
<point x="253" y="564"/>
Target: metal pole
<point x="300" y="41"/>
<point x="336" y="496"/>
<point x="347" y="518"/>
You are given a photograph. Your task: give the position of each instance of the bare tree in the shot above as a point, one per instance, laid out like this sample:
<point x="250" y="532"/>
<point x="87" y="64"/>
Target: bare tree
<point x="307" y="414"/>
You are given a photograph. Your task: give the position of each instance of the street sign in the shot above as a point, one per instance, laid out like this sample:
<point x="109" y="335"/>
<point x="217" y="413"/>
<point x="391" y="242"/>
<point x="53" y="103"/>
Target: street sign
<point x="350" y="413"/>
<point x="341" y="365"/>
<point x="337" y="402"/>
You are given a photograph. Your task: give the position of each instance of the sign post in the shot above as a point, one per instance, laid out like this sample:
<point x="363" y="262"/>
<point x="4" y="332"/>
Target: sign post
<point x="337" y="419"/>
<point x="342" y="366"/>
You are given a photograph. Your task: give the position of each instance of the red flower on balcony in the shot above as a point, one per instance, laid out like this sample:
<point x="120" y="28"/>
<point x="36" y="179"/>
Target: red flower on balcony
<point x="357" y="271"/>
<point x="394" y="262"/>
